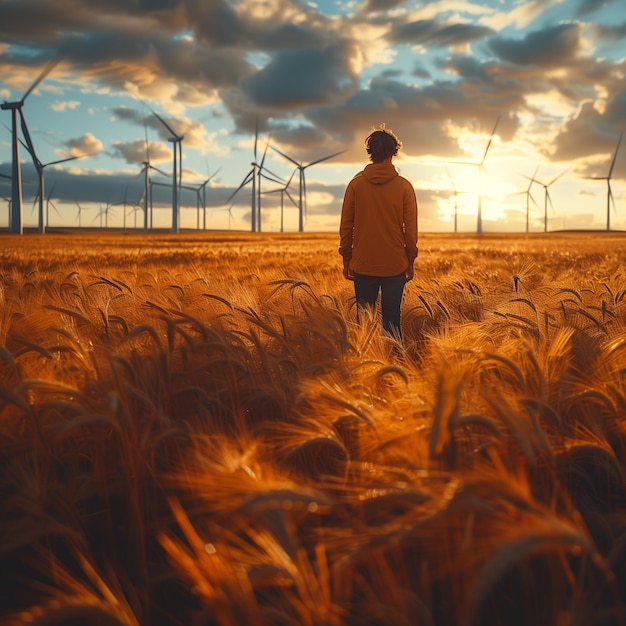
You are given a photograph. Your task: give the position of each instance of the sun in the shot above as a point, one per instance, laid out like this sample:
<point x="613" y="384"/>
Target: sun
<point x="472" y="183"/>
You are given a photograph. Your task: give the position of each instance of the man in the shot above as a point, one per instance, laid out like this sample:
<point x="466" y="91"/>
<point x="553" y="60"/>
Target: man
<point x="378" y="232"/>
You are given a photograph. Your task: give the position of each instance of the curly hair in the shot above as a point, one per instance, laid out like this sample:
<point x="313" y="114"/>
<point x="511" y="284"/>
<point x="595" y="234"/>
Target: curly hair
<point x="381" y="144"/>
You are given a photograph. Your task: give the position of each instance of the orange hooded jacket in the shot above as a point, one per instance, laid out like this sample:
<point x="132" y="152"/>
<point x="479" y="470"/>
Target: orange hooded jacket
<point x="378" y="232"/>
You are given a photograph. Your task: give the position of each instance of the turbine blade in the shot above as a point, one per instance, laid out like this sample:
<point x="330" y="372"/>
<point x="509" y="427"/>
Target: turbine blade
<point x="156" y="169"/>
<point x="291" y="198"/>
<point x="54" y="207"/>
<point x="267" y="143"/>
<point x="167" y="126"/>
<point x="615" y="155"/>
<point x="291" y="177"/>
<point x="557" y="177"/>
<point x="30" y="147"/>
<point x="532" y="179"/>
<point x="172" y="131"/>
<point x="272" y="174"/>
<point x="46" y="70"/>
<point x="54" y="184"/>
<point x="271" y="178"/>
<point x="256" y="136"/>
<point x="287" y="157"/>
<point x="145" y="141"/>
<point x="330" y="156"/>
<point x="248" y="177"/>
<point x="493" y="132"/>
<point x="80" y="156"/>
<point x="530" y="195"/>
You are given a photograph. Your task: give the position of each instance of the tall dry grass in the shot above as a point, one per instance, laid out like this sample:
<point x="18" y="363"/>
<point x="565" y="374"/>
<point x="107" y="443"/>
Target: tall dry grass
<point x="196" y="430"/>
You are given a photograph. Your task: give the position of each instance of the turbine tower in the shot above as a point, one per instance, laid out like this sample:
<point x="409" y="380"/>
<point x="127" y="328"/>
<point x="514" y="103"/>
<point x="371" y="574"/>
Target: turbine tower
<point x="609" y="191"/>
<point x="15" y="217"/>
<point x="480" y="166"/>
<point x="302" y="182"/>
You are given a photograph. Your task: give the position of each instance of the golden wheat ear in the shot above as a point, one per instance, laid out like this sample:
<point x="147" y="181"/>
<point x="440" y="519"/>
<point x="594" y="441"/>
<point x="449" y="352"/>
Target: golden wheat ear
<point x="71" y="613"/>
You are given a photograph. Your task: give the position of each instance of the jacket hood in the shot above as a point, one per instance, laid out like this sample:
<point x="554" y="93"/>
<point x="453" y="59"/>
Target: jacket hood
<point x="380" y="173"/>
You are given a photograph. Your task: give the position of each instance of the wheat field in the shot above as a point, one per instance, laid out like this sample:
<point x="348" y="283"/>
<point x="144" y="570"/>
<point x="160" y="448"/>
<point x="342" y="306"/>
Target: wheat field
<point x="196" y="430"/>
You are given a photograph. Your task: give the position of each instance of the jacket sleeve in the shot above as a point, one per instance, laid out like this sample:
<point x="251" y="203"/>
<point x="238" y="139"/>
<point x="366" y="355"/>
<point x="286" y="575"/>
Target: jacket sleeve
<point x="410" y="223"/>
<point x="347" y="224"/>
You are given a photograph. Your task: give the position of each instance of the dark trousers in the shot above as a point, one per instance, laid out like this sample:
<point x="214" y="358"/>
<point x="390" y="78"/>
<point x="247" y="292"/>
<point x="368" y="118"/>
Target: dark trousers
<point x="366" y="289"/>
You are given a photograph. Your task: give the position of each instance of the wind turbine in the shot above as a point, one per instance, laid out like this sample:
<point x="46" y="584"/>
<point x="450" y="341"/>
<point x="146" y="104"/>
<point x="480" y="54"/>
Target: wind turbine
<point x="456" y="200"/>
<point x="546" y="198"/>
<point x="202" y="189"/>
<point x="609" y="191"/>
<point x="49" y="202"/>
<point x="40" y="167"/>
<point x="302" y="183"/>
<point x="124" y="204"/>
<point x="284" y="190"/>
<point x="480" y="166"/>
<point x="254" y="176"/>
<point x="145" y="170"/>
<point x="177" y="145"/>
<point x="79" y="214"/>
<point x="529" y="197"/>
<point x="15" y="218"/>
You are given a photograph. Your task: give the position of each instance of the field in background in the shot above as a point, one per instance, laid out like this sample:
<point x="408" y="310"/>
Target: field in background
<point x="196" y="430"/>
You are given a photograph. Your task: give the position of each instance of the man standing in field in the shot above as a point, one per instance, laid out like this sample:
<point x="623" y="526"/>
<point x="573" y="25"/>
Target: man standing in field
<point x="378" y="230"/>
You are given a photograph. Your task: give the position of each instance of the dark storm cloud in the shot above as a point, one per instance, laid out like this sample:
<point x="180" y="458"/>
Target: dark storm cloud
<point x="304" y="77"/>
<point x="434" y="33"/>
<point x="550" y="47"/>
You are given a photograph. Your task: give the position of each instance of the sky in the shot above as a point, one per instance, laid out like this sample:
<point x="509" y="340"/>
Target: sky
<point x="541" y="83"/>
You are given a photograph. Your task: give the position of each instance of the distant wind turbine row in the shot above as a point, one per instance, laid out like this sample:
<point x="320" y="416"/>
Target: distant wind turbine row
<point x="254" y="176"/>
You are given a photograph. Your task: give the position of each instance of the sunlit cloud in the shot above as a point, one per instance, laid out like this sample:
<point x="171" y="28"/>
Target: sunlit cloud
<point x="87" y="144"/>
<point x="64" y="106"/>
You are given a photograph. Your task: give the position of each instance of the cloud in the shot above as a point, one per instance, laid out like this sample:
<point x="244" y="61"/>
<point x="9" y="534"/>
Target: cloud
<point x="305" y="77"/>
<point x="590" y="6"/>
<point x="64" y="106"/>
<point x="134" y="152"/>
<point x="434" y="33"/>
<point x="551" y="47"/>
<point x="592" y="132"/>
<point x="612" y="32"/>
<point x="374" y="6"/>
<point x="87" y="144"/>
